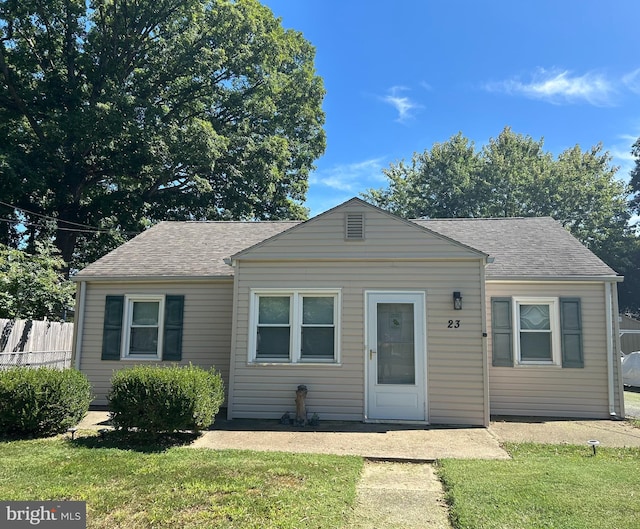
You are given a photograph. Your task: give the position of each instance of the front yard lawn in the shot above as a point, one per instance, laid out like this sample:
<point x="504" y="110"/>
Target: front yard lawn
<point x="546" y="487"/>
<point x="182" y="487"/>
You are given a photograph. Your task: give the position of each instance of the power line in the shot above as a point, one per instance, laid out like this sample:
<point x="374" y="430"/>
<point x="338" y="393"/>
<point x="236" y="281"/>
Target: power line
<point x="76" y="230"/>
<point x="89" y="229"/>
<point x="50" y="218"/>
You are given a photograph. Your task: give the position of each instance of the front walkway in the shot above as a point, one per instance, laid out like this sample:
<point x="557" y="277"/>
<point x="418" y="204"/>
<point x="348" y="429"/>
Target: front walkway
<point x="403" y="443"/>
<point x="372" y="441"/>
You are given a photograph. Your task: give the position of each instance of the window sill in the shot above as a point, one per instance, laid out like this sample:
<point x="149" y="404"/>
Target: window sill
<point x="537" y="364"/>
<point x="294" y="364"/>
<point x="141" y="358"/>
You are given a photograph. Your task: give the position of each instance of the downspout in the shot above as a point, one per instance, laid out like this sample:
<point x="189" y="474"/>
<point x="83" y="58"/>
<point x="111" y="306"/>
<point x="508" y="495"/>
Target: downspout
<point x="485" y="351"/>
<point x="617" y="373"/>
<point x="79" y="324"/>
<point x="234" y="328"/>
<point x="610" y="349"/>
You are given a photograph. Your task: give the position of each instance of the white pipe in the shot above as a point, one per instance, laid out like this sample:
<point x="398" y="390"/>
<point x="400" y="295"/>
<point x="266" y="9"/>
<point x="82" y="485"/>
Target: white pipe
<point x="79" y="324"/>
<point x="485" y="350"/>
<point x="610" y="349"/>
<point x="617" y="373"/>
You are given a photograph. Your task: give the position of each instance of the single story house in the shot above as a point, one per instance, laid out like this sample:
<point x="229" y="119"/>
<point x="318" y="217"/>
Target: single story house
<point x="443" y="321"/>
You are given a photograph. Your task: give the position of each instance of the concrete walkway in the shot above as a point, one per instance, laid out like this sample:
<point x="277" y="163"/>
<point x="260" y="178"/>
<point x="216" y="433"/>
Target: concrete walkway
<point x="372" y="441"/>
<point x="399" y="496"/>
<point x="618" y="434"/>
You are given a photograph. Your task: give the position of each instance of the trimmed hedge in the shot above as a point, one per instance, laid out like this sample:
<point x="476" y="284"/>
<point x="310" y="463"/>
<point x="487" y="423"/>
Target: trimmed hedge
<point x="42" y="401"/>
<point x="158" y="399"/>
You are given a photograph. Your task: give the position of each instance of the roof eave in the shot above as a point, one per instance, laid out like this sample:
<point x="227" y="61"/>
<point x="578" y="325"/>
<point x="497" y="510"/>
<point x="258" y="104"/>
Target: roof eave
<point x="555" y="279"/>
<point x="149" y="279"/>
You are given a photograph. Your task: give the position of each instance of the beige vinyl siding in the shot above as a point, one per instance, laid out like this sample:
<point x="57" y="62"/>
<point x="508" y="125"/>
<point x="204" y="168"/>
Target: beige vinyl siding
<point x="206" y="331"/>
<point x="385" y="237"/>
<point x="337" y="392"/>
<point x="553" y="391"/>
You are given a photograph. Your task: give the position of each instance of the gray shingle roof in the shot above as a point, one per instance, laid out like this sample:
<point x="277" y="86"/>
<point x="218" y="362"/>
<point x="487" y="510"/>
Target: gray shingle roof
<point x="521" y="247"/>
<point x="182" y="249"/>
<point x="536" y="247"/>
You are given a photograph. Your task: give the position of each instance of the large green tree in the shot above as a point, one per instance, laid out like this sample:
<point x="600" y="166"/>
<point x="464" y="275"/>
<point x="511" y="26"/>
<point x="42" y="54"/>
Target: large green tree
<point x="512" y="175"/>
<point x="33" y="286"/>
<point x="119" y="113"/>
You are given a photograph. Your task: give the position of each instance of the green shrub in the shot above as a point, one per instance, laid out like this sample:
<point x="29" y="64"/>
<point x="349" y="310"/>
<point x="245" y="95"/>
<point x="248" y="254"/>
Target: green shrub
<point x="42" y="401"/>
<point x="165" y="399"/>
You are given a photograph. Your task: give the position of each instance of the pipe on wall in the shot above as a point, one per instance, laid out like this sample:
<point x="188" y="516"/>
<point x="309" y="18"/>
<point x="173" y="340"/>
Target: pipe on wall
<point x="79" y="323"/>
<point x="610" y="348"/>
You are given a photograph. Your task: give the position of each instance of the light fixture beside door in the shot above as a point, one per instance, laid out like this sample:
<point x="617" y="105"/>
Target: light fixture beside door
<point x="457" y="300"/>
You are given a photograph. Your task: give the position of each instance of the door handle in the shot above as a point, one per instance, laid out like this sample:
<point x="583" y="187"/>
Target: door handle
<point x="371" y="353"/>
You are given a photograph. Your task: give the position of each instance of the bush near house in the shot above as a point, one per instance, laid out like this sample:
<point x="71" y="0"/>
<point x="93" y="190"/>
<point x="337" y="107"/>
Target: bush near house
<point x="43" y="401"/>
<point x="165" y="399"/>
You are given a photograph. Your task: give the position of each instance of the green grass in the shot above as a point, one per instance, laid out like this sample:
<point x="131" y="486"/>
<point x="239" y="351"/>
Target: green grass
<point x="546" y="487"/>
<point x="161" y="487"/>
<point x="632" y="398"/>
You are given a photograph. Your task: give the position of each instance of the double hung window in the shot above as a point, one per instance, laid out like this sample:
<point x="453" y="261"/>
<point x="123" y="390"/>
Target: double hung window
<point x="537" y="322"/>
<point x="536" y="331"/>
<point x="294" y="326"/>
<point x="143" y="327"/>
<point x="143" y="324"/>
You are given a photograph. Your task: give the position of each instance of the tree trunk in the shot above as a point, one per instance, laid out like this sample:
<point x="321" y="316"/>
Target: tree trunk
<point x="66" y="243"/>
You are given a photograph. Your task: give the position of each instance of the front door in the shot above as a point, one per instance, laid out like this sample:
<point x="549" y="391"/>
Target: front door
<point x="396" y="356"/>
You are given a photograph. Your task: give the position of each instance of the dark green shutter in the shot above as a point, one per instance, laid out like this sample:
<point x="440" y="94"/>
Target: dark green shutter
<point x="571" y="329"/>
<point x="112" y="330"/>
<point x="501" y="332"/>
<point x="172" y="340"/>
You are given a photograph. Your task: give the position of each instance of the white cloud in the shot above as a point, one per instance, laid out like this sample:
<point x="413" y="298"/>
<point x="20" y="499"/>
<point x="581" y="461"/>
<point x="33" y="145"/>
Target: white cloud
<point x="402" y="104"/>
<point x="632" y="81"/>
<point x="339" y="183"/>
<point x="351" y="177"/>
<point x="621" y="154"/>
<point x="558" y="87"/>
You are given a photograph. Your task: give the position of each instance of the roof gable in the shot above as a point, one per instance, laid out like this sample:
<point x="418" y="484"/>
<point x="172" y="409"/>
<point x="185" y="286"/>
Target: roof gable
<point x="383" y="236"/>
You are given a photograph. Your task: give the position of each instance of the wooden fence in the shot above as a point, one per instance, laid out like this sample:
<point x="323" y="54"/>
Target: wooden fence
<point x="35" y="343"/>
<point x="629" y="334"/>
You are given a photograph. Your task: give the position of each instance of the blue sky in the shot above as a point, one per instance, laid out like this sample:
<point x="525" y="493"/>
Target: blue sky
<point x="401" y="76"/>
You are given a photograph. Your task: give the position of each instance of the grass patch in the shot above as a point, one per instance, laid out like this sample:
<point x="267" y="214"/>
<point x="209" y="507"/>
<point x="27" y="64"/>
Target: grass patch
<point x="632" y="396"/>
<point x="181" y="487"/>
<point x="632" y="403"/>
<point x="546" y="487"/>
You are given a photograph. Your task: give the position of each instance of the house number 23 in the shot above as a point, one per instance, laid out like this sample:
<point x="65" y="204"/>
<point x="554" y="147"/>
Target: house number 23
<point x="453" y="324"/>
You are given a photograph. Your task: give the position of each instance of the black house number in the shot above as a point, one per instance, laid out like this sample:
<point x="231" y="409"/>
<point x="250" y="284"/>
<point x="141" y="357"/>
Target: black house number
<point x="453" y="324"/>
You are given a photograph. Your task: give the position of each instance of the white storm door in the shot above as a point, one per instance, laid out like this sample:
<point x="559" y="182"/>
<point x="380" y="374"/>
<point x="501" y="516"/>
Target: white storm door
<point x="396" y="356"/>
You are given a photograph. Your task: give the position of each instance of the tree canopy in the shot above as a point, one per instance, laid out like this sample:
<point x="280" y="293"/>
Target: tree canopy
<point x="116" y="114"/>
<point x="32" y="286"/>
<point x="512" y="175"/>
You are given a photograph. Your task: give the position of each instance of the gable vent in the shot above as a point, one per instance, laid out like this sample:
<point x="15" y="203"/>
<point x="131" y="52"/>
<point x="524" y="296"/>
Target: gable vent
<point x="354" y="226"/>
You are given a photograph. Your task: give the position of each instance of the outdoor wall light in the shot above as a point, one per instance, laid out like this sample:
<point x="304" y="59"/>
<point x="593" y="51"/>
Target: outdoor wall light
<point x="457" y="301"/>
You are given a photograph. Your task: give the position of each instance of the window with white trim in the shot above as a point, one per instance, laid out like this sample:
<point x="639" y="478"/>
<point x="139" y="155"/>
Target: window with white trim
<point x="537" y="326"/>
<point x="142" y="336"/>
<point x="295" y="326"/>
